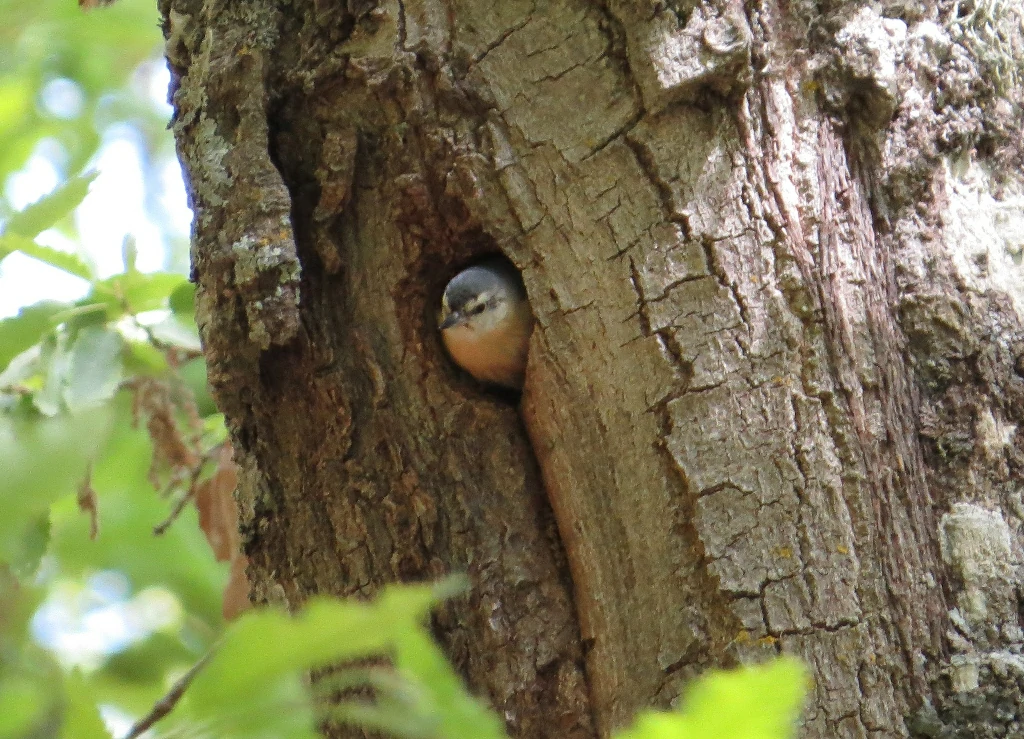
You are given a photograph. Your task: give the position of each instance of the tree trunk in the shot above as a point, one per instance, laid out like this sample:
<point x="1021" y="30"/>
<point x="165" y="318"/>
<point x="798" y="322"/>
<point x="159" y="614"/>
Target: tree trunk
<point x="774" y="254"/>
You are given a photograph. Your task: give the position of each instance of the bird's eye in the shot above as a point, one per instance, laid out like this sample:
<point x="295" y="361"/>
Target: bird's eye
<point x="477" y="309"/>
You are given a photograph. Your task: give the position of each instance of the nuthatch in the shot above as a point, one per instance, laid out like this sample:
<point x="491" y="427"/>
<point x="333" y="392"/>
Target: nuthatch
<point x="486" y="323"/>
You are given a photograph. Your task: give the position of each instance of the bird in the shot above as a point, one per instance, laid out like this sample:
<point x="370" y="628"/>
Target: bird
<point x="486" y="323"/>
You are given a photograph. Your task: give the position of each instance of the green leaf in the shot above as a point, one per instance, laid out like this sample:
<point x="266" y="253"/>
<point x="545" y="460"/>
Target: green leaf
<point x="43" y="460"/>
<point x="96" y="315"/>
<point x="176" y="331"/>
<point x="16" y="93"/>
<point x="756" y="702"/>
<point x="21" y="702"/>
<point x="264" y="654"/>
<point x="94" y="368"/>
<point x="26" y="329"/>
<point x="34" y="540"/>
<point x="398" y="709"/>
<point x="146" y="661"/>
<point x="459" y="715"/>
<point x="49" y="209"/>
<point x="194" y="375"/>
<point x="53" y="358"/>
<point x="81" y="715"/>
<point x="19" y="601"/>
<point x="183" y="299"/>
<point x="325" y="631"/>
<point x="129" y="253"/>
<point x="150" y="291"/>
<point x="141" y="357"/>
<point x="139" y="291"/>
<point x="70" y="263"/>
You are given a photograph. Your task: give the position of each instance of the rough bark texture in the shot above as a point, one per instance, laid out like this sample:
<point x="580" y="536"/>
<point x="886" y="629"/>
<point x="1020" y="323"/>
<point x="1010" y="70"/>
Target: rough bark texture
<point x="774" y="253"/>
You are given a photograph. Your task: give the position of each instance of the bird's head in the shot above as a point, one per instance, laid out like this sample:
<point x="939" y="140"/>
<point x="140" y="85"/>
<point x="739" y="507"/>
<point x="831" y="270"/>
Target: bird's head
<point x="481" y="298"/>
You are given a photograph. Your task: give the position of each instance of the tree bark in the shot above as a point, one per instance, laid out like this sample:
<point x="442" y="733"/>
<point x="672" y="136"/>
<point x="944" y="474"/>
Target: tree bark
<point x="774" y="254"/>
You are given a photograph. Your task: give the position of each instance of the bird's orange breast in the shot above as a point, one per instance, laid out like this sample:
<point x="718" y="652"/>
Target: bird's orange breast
<point x="497" y="356"/>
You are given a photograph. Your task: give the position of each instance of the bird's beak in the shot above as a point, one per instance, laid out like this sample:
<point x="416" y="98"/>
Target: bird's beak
<point x="449" y="319"/>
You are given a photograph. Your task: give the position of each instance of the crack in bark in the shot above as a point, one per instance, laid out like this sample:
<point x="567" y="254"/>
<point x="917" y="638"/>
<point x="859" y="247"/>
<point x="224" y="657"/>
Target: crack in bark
<point x="505" y="36"/>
